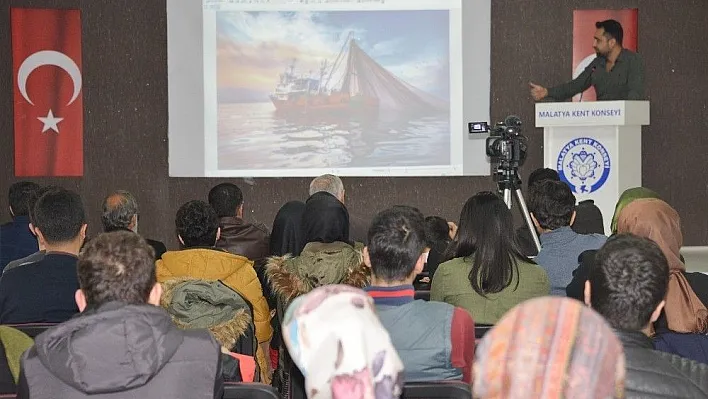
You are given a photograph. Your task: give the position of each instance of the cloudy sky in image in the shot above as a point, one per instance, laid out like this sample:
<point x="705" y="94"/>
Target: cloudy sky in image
<point x="254" y="48"/>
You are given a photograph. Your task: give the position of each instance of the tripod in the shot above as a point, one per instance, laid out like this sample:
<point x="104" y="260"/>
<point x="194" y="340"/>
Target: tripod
<point x="508" y="181"/>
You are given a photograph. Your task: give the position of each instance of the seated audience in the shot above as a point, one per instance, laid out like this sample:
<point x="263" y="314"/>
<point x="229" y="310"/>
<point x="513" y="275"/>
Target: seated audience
<point x="43" y="291"/>
<point x="224" y="312"/>
<point x="16" y="239"/>
<point x="552" y="208"/>
<point x="197" y="231"/>
<point x="38" y="255"/>
<point x="588" y="219"/>
<point x="549" y="348"/>
<point x="627" y="286"/>
<point x="626" y="198"/>
<point x="685" y="311"/>
<point x="13" y="343"/>
<point x="435" y="340"/>
<point x="122" y="344"/>
<point x="238" y="236"/>
<point x="341" y="347"/>
<point x="438" y="235"/>
<point x="327" y="258"/>
<point x="334" y="185"/>
<point x="120" y="212"/>
<point x="488" y="275"/>
<point x="287" y="237"/>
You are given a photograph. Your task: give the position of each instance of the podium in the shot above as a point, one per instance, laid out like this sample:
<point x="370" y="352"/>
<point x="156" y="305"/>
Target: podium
<point x="596" y="147"/>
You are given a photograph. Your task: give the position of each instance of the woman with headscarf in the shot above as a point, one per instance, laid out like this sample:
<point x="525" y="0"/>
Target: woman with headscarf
<point x="339" y="344"/>
<point x="550" y="348"/>
<point x="653" y="218"/>
<point x="286" y="236"/>
<point x="328" y="257"/>
<point x="586" y="260"/>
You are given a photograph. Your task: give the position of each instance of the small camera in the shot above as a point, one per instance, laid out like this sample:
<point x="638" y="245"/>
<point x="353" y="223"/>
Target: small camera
<point x="505" y="144"/>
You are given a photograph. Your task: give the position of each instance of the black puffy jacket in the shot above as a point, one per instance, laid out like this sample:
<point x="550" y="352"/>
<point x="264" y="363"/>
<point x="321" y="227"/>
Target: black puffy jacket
<point x="654" y="374"/>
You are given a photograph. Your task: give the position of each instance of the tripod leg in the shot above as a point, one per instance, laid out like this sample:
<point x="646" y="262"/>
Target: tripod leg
<point x="507" y="197"/>
<point x="527" y="217"/>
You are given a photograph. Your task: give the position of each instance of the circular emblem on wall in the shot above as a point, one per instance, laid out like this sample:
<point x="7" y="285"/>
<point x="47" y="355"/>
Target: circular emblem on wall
<point x="584" y="164"/>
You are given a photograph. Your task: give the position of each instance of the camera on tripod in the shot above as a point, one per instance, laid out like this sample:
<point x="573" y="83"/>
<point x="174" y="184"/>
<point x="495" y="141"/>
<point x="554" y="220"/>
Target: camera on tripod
<point x="505" y="144"/>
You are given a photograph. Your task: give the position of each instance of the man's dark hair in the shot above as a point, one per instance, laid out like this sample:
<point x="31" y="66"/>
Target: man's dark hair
<point x="59" y="215"/>
<point x="225" y="198"/>
<point x="542" y="174"/>
<point x="197" y="224"/>
<point x="613" y="29"/>
<point x="396" y="240"/>
<point x="629" y="280"/>
<point x="20" y="195"/>
<point x="118" y="210"/>
<point x="36" y="196"/>
<point x="117" y="266"/>
<point x="436" y="230"/>
<point x="552" y="204"/>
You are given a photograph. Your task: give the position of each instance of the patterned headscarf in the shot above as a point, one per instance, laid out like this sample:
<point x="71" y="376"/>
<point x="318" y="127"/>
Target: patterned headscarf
<point x="550" y="347"/>
<point x="659" y="222"/>
<point x="339" y="344"/>
<point x="627" y="197"/>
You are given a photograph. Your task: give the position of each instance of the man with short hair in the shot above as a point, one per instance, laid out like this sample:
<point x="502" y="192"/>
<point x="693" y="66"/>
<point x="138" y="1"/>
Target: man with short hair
<point x="552" y="209"/>
<point x="120" y="212"/>
<point x="330" y="184"/>
<point x="198" y="231"/>
<point x="616" y="73"/>
<point x="588" y="218"/>
<point x="123" y="344"/>
<point x="16" y="239"/>
<point x="43" y="291"/>
<point x="627" y="286"/>
<point x="238" y="236"/>
<point x="435" y="340"/>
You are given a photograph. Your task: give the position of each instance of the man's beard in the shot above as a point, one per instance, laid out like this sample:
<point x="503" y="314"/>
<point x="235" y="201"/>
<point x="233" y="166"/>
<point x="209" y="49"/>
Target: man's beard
<point x="599" y="54"/>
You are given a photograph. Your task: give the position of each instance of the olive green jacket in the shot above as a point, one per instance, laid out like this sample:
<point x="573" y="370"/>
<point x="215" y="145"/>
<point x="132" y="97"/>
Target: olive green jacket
<point x="452" y="285"/>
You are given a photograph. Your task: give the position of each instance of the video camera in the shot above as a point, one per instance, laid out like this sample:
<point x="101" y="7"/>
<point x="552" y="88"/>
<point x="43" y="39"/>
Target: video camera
<point x="505" y="144"/>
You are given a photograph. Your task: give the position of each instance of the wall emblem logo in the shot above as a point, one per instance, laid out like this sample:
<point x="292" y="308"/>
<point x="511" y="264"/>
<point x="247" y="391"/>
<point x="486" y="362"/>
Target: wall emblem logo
<point x="584" y="164"/>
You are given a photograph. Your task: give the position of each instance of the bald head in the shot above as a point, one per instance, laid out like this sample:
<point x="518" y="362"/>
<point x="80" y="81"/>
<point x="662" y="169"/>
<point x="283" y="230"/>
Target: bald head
<point x="120" y="211"/>
<point x="330" y="184"/>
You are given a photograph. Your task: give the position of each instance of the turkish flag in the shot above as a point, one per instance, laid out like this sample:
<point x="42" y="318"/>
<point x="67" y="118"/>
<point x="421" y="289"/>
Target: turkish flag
<point x="49" y="117"/>
<point x="584" y="30"/>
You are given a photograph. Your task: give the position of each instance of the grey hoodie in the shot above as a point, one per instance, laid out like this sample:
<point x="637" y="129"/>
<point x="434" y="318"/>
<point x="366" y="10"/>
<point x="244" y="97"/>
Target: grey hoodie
<point x="121" y="351"/>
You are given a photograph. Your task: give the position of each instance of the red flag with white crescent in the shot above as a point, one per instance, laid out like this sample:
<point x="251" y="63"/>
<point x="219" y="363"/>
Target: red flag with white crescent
<point x="47" y="81"/>
<point x="583" y="31"/>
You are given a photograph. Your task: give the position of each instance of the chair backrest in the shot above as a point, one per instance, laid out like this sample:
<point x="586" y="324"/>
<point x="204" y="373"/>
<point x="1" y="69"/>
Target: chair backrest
<point x="424" y="295"/>
<point x="437" y="390"/>
<point x="249" y="391"/>
<point x="481" y="329"/>
<point x="32" y="329"/>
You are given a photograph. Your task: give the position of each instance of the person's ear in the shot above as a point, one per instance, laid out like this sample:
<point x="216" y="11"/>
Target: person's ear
<point x="12" y="213"/>
<point x="239" y="211"/>
<point x="181" y="241"/>
<point x="587" y="293"/>
<point x="420" y="263"/>
<point x="82" y="232"/>
<point x="572" y="218"/>
<point x="80" y="299"/>
<point x="657" y="312"/>
<point x="155" y="294"/>
<point x="31" y="229"/>
<point x="40" y="236"/>
<point x="218" y="234"/>
<point x="367" y="258"/>
<point x="535" y="222"/>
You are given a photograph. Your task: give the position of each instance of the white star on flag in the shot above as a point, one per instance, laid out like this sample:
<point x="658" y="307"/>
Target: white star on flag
<point x="50" y="122"/>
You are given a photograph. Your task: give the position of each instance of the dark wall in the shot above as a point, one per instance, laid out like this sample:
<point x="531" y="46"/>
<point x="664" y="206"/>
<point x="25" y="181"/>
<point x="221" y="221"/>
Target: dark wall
<point x="125" y="100"/>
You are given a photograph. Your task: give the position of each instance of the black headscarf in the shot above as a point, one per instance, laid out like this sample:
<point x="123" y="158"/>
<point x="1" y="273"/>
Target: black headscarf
<point x="287" y="235"/>
<point x="325" y="219"/>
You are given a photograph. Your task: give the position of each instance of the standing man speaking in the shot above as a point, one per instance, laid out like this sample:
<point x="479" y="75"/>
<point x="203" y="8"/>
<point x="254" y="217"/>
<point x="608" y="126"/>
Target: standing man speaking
<point x="616" y="73"/>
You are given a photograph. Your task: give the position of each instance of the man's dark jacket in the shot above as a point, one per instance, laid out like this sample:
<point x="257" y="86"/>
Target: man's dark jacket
<point x="121" y="351"/>
<point x="654" y="374"/>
